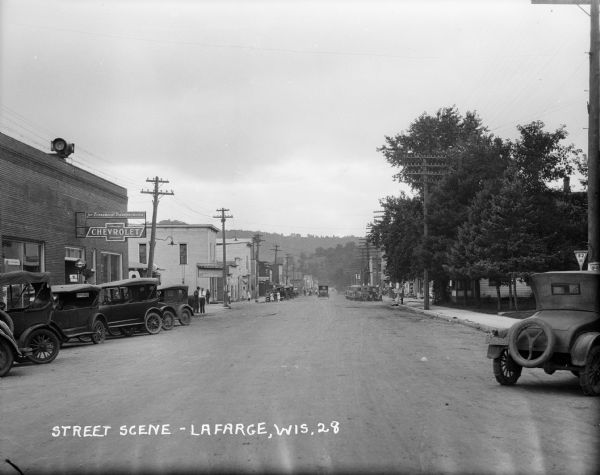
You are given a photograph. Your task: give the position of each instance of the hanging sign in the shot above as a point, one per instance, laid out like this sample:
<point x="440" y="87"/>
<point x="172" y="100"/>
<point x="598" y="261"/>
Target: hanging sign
<point x="580" y="256"/>
<point x="115" y="231"/>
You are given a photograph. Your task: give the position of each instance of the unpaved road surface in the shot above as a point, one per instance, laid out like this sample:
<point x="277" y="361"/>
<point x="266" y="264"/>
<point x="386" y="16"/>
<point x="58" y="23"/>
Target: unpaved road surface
<point x="309" y="385"/>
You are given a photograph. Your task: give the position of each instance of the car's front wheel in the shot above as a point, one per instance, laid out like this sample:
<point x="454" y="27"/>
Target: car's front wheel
<point x="506" y="371"/>
<point x="44" y="346"/>
<point x="99" y="334"/>
<point x="168" y="320"/>
<point x="6" y="357"/>
<point x="153" y="323"/>
<point x="589" y="377"/>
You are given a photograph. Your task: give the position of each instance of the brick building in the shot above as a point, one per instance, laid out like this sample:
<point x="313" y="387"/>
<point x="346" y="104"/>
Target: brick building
<point x="43" y="217"/>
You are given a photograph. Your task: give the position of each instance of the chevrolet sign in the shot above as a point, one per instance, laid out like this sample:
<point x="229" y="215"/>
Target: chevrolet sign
<point x="115" y="231"/>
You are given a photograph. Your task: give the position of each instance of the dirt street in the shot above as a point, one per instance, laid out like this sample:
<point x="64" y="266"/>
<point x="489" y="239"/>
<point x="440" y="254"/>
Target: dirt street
<point x="308" y="385"/>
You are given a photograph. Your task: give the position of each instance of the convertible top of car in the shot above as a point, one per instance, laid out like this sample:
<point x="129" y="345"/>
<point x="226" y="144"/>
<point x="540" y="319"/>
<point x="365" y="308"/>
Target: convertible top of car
<point x="24" y="277"/>
<point x="569" y="290"/>
<point x="57" y="289"/>
<point x="125" y="282"/>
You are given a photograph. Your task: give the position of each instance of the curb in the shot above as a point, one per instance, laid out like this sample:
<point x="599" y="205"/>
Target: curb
<point x="441" y="316"/>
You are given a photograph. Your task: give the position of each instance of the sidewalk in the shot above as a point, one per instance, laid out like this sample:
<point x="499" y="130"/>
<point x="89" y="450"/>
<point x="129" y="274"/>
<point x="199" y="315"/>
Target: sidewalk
<point x="482" y="321"/>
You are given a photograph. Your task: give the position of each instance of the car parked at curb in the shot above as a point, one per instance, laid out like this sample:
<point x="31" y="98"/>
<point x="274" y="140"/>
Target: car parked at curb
<point x="176" y="297"/>
<point x="29" y="314"/>
<point x="77" y="312"/>
<point x="130" y="305"/>
<point x="563" y="334"/>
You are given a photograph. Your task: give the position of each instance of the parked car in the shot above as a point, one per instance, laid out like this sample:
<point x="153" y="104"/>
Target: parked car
<point x="132" y="304"/>
<point x="563" y="334"/>
<point x="77" y="312"/>
<point x="176" y="297"/>
<point x="28" y="314"/>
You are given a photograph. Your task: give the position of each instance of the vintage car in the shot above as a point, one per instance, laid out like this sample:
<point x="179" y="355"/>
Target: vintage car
<point x="176" y="296"/>
<point x="563" y="334"/>
<point x="323" y="291"/>
<point x="77" y="313"/>
<point x="29" y="312"/>
<point x="132" y="304"/>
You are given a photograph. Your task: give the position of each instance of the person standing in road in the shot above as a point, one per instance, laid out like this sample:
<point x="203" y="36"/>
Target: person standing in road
<point x="202" y="300"/>
<point x="196" y="299"/>
<point x="207" y="296"/>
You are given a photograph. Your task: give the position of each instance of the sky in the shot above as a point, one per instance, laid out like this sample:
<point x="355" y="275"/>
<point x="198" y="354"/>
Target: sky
<point x="274" y="110"/>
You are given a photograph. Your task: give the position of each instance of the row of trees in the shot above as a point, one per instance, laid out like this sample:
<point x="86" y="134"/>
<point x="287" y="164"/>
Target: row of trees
<point x="502" y="210"/>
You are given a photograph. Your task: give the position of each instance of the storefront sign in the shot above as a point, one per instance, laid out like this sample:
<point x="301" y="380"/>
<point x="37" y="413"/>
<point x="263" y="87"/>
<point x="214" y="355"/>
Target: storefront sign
<point x="116" y="214"/>
<point x="115" y="231"/>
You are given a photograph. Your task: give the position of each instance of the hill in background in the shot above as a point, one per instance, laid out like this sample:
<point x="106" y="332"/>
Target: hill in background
<point x="294" y="244"/>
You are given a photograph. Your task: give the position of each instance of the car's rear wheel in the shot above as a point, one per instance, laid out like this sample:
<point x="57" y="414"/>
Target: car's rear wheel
<point x="99" y="334"/>
<point x="527" y="334"/>
<point x="506" y="371"/>
<point x="168" y="320"/>
<point x="185" y="317"/>
<point x="44" y="346"/>
<point x="153" y="323"/>
<point x="589" y="377"/>
<point x="7" y="357"/>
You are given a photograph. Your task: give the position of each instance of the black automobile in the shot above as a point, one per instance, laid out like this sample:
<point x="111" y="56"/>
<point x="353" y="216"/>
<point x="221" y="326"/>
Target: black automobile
<point x="176" y="296"/>
<point x="29" y="314"/>
<point x="77" y="312"/>
<point x="130" y="305"/>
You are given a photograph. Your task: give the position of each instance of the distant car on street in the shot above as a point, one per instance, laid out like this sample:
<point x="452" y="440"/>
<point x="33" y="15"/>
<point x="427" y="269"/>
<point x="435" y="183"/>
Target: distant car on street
<point x="323" y="291"/>
<point x="563" y="334"/>
<point x="176" y="296"/>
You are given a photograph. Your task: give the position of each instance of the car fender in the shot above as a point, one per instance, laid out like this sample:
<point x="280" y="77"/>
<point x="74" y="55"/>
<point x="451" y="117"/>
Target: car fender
<point x="101" y="317"/>
<point x="51" y="326"/>
<point x="6" y="335"/>
<point x="154" y="309"/>
<point x="182" y="307"/>
<point x="170" y="308"/>
<point x="582" y="346"/>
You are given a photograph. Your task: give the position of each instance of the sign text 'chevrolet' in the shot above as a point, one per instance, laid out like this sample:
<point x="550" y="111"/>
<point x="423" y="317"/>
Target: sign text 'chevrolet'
<point x="115" y="231"/>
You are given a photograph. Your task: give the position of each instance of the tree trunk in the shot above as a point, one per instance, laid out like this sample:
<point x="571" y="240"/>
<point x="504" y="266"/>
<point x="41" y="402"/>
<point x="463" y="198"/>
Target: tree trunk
<point x="515" y="294"/>
<point x="510" y="294"/>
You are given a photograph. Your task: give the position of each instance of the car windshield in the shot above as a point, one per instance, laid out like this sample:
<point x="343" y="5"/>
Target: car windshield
<point x="26" y="295"/>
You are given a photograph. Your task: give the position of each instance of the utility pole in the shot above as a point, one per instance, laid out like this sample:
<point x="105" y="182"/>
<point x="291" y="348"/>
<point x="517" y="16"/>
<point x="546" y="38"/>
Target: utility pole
<point x="428" y="168"/>
<point x="287" y="260"/>
<point x="225" y="287"/>
<point x="275" y="262"/>
<point x="593" y="191"/>
<point x="156" y="194"/>
<point x="257" y="240"/>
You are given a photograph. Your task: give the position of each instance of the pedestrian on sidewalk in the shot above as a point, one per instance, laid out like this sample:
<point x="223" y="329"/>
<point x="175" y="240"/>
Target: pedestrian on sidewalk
<point x="196" y="299"/>
<point x="202" y="300"/>
<point x="207" y="296"/>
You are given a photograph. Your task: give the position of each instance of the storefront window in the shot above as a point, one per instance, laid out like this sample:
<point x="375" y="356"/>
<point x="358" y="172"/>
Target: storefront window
<point x="22" y="255"/>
